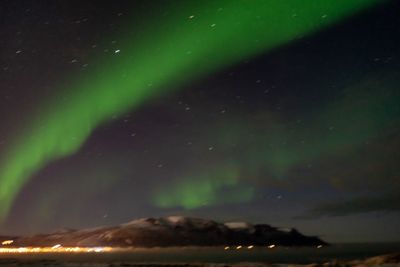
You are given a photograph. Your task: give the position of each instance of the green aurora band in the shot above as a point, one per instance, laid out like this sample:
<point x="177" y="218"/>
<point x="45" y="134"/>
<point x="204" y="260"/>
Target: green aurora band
<point x="279" y="150"/>
<point x="194" y="40"/>
<point x="205" y="190"/>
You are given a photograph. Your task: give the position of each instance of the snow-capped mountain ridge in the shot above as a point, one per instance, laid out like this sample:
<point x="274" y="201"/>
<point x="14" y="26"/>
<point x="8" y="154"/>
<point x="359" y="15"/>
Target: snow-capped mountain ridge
<point x="173" y="231"/>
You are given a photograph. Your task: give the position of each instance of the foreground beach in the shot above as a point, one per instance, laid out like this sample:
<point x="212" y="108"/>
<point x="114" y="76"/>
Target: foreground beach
<point x="388" y="260"/>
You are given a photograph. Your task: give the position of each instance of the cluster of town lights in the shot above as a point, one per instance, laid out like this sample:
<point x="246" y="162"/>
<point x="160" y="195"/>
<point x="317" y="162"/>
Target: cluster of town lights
<point x="251" y="247"/>
<point x="244" y="247"/>
<point x="60" y="249"/>
<point x="54" y="249"/>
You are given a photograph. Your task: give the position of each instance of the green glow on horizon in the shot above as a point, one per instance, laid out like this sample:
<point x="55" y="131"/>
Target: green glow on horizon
<point x="171" y="50"/>
<point x="366" y="110"/>
<point x="205" y="190"/>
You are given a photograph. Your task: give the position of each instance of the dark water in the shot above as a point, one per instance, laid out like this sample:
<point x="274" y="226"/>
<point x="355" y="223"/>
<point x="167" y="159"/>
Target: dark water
<point x="219" y="255"/>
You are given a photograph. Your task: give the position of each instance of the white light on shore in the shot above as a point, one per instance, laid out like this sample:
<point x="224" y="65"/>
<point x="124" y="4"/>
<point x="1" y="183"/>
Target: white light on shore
<point x="271" y="246"/>
<point x="7" y="242"/>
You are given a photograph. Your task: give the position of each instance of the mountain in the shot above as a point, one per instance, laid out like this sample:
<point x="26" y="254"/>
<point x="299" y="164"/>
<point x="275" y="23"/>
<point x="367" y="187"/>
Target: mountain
<point x="173" y="231"/>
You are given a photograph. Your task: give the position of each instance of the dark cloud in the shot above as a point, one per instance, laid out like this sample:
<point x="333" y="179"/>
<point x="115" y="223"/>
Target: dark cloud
<point x="365" y="204"/>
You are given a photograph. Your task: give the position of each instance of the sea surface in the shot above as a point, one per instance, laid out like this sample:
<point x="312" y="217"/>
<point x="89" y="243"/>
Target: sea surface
<point x="220" y="255"/>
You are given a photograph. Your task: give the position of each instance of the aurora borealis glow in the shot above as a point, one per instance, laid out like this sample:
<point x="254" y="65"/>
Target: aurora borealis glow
<point x="160" y="55"/>
<point x="157" y="62"/>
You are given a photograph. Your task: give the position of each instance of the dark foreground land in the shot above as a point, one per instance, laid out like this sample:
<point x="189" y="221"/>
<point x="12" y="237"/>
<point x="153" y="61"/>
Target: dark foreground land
<point x="389" y="260"/>
<point x="338" y="255"/>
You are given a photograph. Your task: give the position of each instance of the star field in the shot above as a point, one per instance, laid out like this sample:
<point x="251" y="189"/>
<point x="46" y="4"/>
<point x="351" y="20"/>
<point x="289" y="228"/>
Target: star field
<point x="285" y="113"/>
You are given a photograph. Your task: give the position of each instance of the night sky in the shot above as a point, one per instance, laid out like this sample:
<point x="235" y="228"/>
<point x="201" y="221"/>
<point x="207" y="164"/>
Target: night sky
<point x="283" y="112"/>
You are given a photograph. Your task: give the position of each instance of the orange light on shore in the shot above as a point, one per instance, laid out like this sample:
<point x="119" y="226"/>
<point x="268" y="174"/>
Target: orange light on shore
<point x="55" y="249"/>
